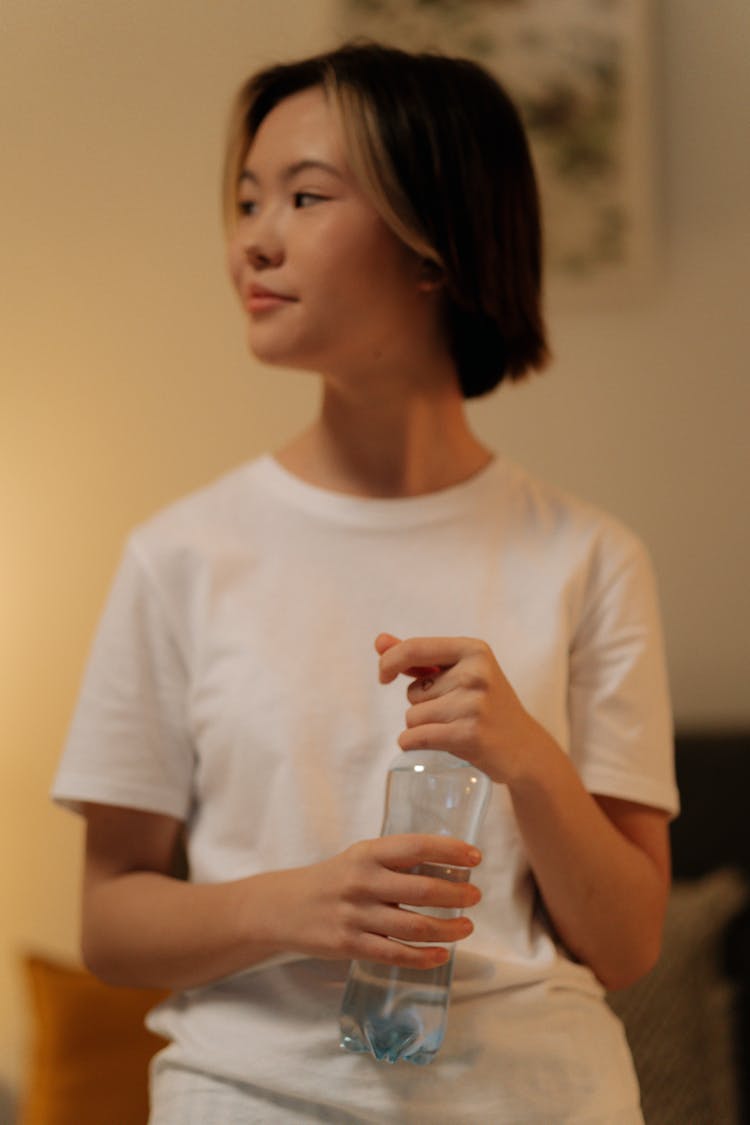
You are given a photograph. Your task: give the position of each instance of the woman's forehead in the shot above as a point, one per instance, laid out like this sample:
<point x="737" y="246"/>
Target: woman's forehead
<point x="302" y="127"/>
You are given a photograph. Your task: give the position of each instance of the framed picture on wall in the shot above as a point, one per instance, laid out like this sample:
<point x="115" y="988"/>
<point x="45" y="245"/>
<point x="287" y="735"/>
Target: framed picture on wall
<point x="579" y="72"/>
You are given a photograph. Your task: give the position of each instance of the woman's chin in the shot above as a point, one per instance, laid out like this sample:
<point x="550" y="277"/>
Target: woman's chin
<point x="280" y="355"/>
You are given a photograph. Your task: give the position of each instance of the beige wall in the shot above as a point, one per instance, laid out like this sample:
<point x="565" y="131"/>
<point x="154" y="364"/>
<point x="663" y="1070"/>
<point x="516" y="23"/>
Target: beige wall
<point x="124" y="381"/>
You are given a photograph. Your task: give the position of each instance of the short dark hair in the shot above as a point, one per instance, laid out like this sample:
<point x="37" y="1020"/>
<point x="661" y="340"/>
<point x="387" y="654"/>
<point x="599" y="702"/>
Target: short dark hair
<point x="440" y="149"/>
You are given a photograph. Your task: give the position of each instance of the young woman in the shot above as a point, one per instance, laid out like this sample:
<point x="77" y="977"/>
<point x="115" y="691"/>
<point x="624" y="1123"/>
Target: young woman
<point x="383" y="233"/>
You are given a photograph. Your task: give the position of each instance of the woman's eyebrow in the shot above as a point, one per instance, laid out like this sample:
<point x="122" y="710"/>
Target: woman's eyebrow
<point x="292" y="169"/>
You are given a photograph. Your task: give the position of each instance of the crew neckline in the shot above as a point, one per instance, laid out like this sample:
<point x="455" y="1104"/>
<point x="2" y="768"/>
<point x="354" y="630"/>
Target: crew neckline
<point x="375" y="511"/>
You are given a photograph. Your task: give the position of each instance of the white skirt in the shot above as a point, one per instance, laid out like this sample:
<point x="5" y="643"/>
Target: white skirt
<point x="180" y="1096"/>
<point x="266" y="1050"/>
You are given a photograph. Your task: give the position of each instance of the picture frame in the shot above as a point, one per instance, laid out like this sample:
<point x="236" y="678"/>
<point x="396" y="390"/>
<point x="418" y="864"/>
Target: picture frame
<point x="580" y="73"/>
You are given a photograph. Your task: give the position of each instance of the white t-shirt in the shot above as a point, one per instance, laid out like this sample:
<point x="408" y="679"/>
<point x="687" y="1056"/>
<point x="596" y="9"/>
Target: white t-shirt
<point x="233" y="683"/>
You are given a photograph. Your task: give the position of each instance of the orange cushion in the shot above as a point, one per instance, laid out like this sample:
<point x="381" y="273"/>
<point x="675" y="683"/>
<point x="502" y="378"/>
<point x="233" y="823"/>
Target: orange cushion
<point x="89" y="1053"/>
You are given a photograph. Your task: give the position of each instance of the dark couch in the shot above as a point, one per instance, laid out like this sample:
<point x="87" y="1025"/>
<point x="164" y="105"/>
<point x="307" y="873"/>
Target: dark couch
<point x="688" y="1022"/>
<point x="713" y="832"/>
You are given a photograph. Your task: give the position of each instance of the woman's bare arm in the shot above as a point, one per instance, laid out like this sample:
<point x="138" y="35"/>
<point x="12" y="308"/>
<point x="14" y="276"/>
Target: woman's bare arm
<point x="144" y="926"/>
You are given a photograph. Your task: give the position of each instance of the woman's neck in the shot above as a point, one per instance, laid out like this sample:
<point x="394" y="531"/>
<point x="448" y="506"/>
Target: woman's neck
<point x="388" y="445"/>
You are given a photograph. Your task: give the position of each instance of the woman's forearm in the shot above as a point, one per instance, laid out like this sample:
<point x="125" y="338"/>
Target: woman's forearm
<point x="603" y="876"/>
<point x="148" y="929"/>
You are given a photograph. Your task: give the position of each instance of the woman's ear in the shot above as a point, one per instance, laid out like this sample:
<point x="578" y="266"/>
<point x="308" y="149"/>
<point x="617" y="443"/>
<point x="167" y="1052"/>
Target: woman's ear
<point x="430" y="276"/>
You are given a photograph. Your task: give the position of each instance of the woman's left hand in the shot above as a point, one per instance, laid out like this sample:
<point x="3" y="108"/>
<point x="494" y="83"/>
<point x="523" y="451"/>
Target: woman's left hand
<point x="601" y="864"/>
<point x="460" y="701"/>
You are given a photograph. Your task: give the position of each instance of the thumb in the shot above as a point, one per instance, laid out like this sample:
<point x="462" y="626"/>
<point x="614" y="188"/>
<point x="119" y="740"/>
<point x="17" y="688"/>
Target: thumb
<point x="384" y="641"/>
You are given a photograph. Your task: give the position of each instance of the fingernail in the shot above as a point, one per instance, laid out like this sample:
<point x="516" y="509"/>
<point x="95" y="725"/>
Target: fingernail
<point x="474" y="855"/>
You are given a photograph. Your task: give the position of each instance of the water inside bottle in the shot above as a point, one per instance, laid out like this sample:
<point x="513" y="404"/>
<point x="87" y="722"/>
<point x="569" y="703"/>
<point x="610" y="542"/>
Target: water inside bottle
<point x="395" y="1013"/>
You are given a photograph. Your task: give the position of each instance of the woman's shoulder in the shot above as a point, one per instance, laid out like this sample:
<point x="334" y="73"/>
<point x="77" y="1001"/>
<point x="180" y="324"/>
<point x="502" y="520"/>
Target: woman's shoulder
<point x="219" y="503"/>
<point x="206" y="525"/>
<point x="576" y="547"/>
<point x="552" y="518"/>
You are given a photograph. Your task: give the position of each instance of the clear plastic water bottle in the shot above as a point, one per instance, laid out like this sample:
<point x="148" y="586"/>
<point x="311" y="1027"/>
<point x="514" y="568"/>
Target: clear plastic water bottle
<point x="396" y="1013"/>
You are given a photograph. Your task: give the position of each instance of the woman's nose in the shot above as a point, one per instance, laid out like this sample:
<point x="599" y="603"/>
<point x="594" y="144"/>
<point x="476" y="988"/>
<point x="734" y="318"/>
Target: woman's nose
<point x="263" y="244"/>
<point x="261" y="254"/>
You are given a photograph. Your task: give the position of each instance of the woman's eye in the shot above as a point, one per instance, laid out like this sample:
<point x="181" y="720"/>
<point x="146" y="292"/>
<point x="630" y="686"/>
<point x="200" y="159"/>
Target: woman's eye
<point x="308" y="195"/>
<point x="245" y="206"/>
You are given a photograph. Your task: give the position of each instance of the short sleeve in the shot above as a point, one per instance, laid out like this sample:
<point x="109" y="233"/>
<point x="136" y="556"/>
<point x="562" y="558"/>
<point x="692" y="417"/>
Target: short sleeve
<point x="129" y="743"/>
<point x="622" y="739"/>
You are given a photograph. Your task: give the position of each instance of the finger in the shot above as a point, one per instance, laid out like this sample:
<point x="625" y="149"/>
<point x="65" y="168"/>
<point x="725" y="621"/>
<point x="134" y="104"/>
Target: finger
<point x="408" y="925"/>
<point x="386" y="951"/>
<point x="384" y="641"/>
<point x="430" y="891"/>
<point x="431" y="686"/>
<point x="442" y="709"/>
<point x="457" y="737"/>
<point x="423" y="652"/>
<point x="405" y="851"/>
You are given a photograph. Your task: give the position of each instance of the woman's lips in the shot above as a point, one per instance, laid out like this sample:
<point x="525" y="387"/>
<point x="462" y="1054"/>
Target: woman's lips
<point x="258" y="298"/>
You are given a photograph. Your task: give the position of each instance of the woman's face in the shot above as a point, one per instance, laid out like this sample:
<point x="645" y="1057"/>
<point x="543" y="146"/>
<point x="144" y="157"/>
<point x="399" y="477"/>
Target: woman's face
<point x="307" y="232"/>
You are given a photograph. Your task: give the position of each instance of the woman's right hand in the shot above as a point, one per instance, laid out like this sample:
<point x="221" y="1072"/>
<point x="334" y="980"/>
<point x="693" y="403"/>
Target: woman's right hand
<point x="143" y="926"/>
<point x="355" y="904"/>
